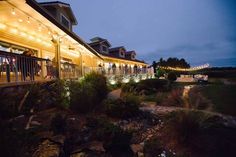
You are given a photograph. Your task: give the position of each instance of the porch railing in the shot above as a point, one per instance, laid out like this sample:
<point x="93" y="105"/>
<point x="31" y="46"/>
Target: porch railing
<point x="16" y="68"/>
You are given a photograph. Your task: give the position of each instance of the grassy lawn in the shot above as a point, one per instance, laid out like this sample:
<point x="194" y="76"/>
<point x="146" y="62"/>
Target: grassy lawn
<point x="223" y="97"/>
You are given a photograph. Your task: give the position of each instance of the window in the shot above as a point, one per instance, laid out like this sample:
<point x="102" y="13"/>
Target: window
<point x="8" y="47"/>
<point x="122" y="53"/>
<point x="104" y="49"/>
<point x="65" y="21"/>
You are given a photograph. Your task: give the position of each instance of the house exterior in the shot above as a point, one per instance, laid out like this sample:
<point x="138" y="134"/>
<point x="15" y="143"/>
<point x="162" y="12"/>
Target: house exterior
<point x="37" y="43"/>
<point x="117" y="61"/>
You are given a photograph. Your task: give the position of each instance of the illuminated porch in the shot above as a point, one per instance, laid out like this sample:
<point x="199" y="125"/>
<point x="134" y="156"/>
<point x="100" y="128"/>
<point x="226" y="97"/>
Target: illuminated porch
<point x="23" y="28"/>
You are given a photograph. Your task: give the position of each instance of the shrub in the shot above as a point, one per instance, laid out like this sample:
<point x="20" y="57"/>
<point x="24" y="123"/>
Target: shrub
<point x="199" y="133"/>
<point x="198" y="101"/>
<point x="161" y="97"/>
<point x="128" y="87"/>
<point x="83" y="97"/>
<point x="98" y="83"/>
<point x="115" y="139"/>
<point x="9" y="100"/>
<point x="16" y="141"/>
<point x="59" y="93"/>
<point x="153" y="147"/>
<point x="87" y="95"/>
<point x="146" y="87"/>
<point x="172" y="98"/>
<point x="58" y="124"/>
<point x="123" y="108"/>
<point x="172" y="76"/>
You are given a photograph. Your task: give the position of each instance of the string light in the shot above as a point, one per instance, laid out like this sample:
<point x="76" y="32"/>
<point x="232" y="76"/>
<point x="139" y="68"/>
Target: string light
<point x="28" y="20"/>
<point x="189" y="69"/>
<point x="13" y="11"/>
<point x="2" y="26"/>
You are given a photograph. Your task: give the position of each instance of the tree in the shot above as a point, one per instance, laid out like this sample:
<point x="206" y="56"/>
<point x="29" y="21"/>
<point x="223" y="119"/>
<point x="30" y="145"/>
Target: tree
<point x="172" y="76"/>
<point x="154" y="65"/>
<point x="173" y="62"/>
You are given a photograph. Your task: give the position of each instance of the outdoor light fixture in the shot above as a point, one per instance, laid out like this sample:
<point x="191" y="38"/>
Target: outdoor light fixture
<point x="13" y="11"/>
<point x="2" y="26"/>
<point x="28" y="20"/>
<point x="20" y="20"/>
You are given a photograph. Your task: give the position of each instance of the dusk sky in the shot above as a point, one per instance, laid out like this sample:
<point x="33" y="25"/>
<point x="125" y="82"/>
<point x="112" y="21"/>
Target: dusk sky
<point x="201" y="31"/>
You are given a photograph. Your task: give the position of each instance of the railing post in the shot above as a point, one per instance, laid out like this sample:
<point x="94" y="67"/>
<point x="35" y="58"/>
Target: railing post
<point x="8" y="73"/>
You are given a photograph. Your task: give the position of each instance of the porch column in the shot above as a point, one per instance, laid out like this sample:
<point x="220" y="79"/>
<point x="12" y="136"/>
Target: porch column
<point x="58" y="58"/>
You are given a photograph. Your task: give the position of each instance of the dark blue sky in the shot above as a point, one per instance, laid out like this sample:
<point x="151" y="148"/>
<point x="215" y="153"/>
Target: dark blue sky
<point x="198" y="30"/>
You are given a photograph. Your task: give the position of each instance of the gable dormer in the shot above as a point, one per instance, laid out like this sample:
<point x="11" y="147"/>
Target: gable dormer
<point x="100" y="45"/>
<point x="130" y="55"/>
<point x="118" y="52"/>
<point x="62" y="12"/>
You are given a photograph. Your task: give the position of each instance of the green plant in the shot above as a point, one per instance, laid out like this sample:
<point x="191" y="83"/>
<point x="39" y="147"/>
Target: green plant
<point x="197" y="100"/>
<point x="146" y="87"/>
<point x="171" y="76"/>
<point x="98" y="83"/>
<point x="123" y="108"/>
<point x="199" y="133"/>
<point x="115" y="139"/>
<point x="83" y="98"/>
<point x="87" y="95"/>
<point x="161" y="97"/>
<point x="59" y="93"/>
<point x="58" y="124"/>
<point x="153" y="147"/>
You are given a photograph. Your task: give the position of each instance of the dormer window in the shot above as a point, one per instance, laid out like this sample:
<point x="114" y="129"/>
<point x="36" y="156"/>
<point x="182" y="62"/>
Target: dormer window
<point x="122" y="53"/>
<point x="104" y="49"/>
<point x="65" y="21"/>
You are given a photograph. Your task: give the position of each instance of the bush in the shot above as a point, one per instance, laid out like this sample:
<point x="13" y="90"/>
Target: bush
<point x="172" y="98"/>
<point x="199" y="133"/>
<point x="146" y="87"/>
<point x="171" y="76"/>
<point x="128" y="87"/>
<point x="58" y="124"/>
<point x="59" y="93"/>
<point x="198" y="101"/>
<point x="153" y="147"/>
<point x="123" y="108"/>
<point x="87" y="95"/>
<point x="98" y="83"/>
<point x="115" y="139"/>
<point x="83" y="97"/>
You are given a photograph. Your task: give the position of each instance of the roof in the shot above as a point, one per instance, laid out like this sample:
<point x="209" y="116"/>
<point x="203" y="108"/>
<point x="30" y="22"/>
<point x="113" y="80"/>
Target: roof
<point x="116" y="48"/>
<point x="61" y="4"/>
<point x="130" y="52"/>
<point x="98" y="40"/>
<point x="44" y="13"/>
<point x="136" y="60"/>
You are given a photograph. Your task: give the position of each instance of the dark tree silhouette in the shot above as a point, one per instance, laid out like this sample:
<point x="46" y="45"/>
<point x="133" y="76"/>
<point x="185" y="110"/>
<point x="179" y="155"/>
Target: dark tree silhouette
<point x="173" y="62"/>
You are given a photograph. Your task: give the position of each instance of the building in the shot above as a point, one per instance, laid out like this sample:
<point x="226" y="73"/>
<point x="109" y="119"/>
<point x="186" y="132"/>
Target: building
<point x="37" y="43"/>
<point x="118" y="62"/>
<point x="44" y="29"/>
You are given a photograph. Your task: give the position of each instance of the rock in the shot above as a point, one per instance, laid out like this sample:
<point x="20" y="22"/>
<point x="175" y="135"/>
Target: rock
<point x="136" y="148"/>
<point x="58" y="139"/>
<point x="35" y="123"/>
<point x="47" y="149"/>
<point x="140" y="154"/>
<point x="45" y="135"/>
<point x="81" y="154"/>
<point x="96" y="146"/>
